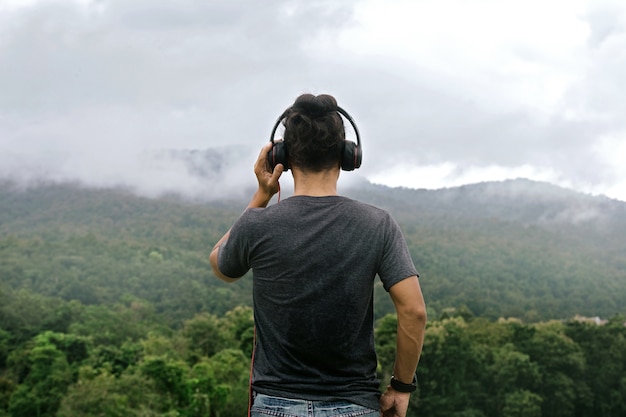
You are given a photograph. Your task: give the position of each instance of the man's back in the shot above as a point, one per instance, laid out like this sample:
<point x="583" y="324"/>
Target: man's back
<point x="314" y="261"/>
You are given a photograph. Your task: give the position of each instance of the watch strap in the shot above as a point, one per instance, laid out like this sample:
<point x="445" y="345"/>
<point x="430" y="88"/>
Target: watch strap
<point x="401" y="386"/>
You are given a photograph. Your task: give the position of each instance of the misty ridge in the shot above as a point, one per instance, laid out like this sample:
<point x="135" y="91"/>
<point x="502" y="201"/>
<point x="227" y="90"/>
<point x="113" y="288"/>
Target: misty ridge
<point x="225" y="174"/>
<point x="196" y="175"/>
<point x="189" y="173"/>
<point x="514" y="248"/>
<point x="521" y="200"/>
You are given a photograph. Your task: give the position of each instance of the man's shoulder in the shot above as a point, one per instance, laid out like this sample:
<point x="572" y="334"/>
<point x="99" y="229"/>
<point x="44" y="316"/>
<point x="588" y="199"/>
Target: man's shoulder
<point x="368" y="208"/>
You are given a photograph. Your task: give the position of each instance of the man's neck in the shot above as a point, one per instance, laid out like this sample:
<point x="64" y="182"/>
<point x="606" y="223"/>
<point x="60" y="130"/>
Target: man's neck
<point x="315" y="184"/>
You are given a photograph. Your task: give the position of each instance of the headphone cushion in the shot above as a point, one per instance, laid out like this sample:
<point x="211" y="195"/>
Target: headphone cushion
<point x="351" y="157"/>
<point x="277" y="155"/>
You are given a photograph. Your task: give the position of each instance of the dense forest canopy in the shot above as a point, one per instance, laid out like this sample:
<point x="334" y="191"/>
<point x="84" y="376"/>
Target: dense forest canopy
<point x="512" y="249"/>
<point x="108" y="306"/>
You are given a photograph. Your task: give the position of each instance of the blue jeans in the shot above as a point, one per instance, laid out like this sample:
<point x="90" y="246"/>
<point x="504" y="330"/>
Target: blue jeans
<point x="264" y="405"/>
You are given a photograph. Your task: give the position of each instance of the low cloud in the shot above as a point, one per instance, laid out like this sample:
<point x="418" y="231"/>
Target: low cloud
<point x="88" y="87"/>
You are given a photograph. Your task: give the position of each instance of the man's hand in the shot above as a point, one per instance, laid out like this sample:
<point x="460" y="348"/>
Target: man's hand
<point x="268" y="180"/>
<point x="394" y="403"/>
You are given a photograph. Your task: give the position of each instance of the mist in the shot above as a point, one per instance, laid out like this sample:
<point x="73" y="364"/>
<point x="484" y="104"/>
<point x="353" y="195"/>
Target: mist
<point x="443" y="93"/>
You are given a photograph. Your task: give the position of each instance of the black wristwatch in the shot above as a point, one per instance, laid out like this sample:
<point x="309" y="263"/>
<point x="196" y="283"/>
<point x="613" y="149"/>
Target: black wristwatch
<point x="401" y="386"/>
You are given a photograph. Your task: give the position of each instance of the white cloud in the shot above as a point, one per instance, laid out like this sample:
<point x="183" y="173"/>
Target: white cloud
<point x="517" y="51"/>
<point x="450" y="175"/>
<point x="448" y="90"/>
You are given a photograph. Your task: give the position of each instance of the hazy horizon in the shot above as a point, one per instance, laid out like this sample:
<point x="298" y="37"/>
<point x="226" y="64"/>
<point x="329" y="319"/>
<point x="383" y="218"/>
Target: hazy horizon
<point x="444" y="93"/>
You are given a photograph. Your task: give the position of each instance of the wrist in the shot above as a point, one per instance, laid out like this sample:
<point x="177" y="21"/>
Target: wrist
<point x="403" y="387"/>
<point x="260" y="199"/>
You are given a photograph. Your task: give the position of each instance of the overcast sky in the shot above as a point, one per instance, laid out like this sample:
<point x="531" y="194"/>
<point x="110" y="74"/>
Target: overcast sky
<point x="444" y="92"/>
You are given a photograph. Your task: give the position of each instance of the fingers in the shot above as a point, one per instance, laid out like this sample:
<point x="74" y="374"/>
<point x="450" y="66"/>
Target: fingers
<point x="385" y="404"/>
<point x="262" y="164"/>
<point x="261" y="161"/>
<point x="266" y="176"/>
<point x="278" y="171"/>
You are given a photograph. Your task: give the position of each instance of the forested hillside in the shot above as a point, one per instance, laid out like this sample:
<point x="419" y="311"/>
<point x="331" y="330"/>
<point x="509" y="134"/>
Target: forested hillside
<point x="108" y="306"/>
<point x="518" y="248"/>
<point x="101" y="246"/>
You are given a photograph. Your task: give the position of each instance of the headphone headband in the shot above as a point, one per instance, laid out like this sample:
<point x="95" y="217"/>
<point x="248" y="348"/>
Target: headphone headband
<point x="350" y="157"/>
<point x="339" y="110"/>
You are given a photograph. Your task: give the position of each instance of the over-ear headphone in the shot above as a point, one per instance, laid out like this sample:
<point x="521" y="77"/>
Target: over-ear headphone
<point x="351" y="155"/>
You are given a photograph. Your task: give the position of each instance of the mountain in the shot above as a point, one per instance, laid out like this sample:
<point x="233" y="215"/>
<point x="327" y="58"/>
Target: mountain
<point x="515" y="248"/>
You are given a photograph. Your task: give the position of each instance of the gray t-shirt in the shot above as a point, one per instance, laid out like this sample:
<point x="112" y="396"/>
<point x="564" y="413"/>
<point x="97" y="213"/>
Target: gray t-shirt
<point x="314" y="261"/>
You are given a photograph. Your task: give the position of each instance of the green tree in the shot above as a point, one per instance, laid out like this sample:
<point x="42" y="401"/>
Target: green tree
<point x="114" y="359"/>
<point x="5" y="347"/>
<point x="207" y="334"/>
<point x="511" y="375"/>
<point x="604" y="349"/>
<point x="239" y="322"/>
<point x="561" y="365"/>
<point x="99" y="394"/>
<point x="75" y="348"/>
<point x="450" y="371"/>
<point x="112" y="325"/>
<point x="231" y="369"/>
<point x="169" y="377"/>
<point x="45" y="385"/>
<point x="7" y="386"/>
<point x="204" y="391"/>
<point x="521" y="403"/>
<point x="24" y="314"/>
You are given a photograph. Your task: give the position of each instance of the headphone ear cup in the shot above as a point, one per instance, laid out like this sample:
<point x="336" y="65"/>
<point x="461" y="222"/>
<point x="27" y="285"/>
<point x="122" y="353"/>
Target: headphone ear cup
<point x="351" y="157"/>
<point x="278" y="155"/>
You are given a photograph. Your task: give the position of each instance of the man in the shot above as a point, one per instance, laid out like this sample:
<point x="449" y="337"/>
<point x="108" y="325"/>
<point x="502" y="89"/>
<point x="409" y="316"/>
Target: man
<point x="314" y="258"/>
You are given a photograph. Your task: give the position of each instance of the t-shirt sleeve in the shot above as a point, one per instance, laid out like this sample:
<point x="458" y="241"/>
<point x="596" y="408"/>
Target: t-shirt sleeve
<point x="396" y="264"/>
<point x="232" y="257"/>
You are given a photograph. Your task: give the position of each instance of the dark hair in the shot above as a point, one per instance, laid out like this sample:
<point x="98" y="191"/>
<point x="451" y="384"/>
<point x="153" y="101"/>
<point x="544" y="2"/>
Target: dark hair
<point x="314" y="133"/>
